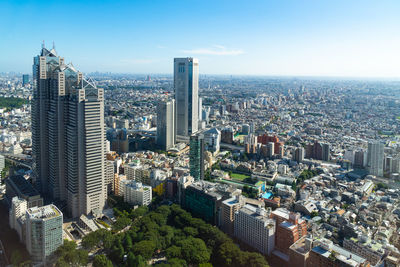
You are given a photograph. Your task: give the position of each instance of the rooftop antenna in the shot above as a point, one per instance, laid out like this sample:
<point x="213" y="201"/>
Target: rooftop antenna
<point x="43" y="44"/>
<point x="54" y="46"/>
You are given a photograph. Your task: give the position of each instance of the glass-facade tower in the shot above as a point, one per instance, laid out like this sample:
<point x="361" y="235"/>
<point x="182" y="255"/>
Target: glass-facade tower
<point x="186" y="85"/>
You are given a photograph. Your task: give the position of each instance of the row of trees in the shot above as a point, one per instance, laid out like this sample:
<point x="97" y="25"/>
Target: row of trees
<point x="168" y="233"/>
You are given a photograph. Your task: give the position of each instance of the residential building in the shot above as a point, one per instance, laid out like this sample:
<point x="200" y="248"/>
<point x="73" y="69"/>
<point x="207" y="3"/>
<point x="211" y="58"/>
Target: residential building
<point x="136" y="193"/>
<point x="299" y="154"/>
<point x="366" y="248"/>
<point x="17" y="216"/>
<point x="375" y="158"/>
<point x="325" y="253"/>
<point x="253" y="227"/>
<point x="228" y="209"/>
<point x="135" y="170"/>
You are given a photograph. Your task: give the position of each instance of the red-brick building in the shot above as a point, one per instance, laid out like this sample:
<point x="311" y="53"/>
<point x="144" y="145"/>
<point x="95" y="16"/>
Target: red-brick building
<point x="265" y="139"/>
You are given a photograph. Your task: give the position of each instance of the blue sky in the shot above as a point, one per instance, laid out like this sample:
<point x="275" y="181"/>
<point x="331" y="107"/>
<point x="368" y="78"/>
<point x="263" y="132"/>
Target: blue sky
<point x="358" y="38"/>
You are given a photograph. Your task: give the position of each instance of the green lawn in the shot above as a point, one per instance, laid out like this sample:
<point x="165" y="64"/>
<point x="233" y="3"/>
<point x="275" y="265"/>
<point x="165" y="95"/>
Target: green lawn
<point x="239" y="177"/>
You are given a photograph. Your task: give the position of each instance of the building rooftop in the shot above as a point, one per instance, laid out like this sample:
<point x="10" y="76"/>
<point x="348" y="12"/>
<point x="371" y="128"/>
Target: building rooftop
<point x="257" y="213"/>
<point x="369" y="243"/>
<point x="45" y="212"/>
<point x="327" y="249"/>
<point x="23" y="186"/>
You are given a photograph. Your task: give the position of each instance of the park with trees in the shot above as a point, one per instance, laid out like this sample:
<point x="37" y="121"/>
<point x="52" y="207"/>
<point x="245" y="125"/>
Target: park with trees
<point x="166" y="236"/>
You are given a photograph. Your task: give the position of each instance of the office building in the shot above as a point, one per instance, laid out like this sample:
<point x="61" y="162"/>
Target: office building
<point x="135" y="170"/>
<point x="375" y="155"/>
<point x="204" y="199"/>
<point x="18" y="186"/>
<point x="186" y="84"/>
<point x="166" y="135"/>
<point x="136" y="193"/>
<point x="253" y="227"/>
<point x="196" y="156"/>
<point x="44" y="233"/>
<point x="25" y="79"/>
<point x="68" y="136"/>
<point x="212" y="140"/>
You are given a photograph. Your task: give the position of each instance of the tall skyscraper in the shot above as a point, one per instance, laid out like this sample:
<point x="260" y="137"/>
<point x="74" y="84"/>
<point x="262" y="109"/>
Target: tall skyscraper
<point x="200" y="113"/>
<point x="25" y="79"/>
<point x="375" y="158"/>
<point x="196" y="156"/>
<point x="186" y="84"/>
<point x="68" y="139"/>
<point x="166" y="134"/>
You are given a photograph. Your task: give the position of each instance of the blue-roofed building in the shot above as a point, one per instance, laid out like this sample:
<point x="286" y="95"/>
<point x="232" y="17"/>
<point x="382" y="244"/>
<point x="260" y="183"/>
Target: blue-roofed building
<point x="326" y="253"/>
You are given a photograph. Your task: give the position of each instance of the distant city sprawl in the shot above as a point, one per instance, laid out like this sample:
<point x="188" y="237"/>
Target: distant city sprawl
<point x="197" y="170"/>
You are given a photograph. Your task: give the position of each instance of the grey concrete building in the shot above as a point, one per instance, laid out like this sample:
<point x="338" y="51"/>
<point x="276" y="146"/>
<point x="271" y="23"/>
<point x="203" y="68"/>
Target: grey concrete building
<point x="68" y="138"/>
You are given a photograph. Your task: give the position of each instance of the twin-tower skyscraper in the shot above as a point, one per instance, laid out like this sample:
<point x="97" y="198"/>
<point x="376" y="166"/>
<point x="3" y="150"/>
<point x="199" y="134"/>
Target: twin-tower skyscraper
<point x="68" y="135"/>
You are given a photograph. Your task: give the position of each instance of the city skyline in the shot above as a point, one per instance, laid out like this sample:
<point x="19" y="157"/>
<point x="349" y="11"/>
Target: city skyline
<point x="340" y="39"/>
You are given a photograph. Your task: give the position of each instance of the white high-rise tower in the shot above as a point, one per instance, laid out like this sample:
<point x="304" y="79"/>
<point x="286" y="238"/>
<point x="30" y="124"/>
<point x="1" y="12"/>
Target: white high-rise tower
<point x="375" y="158"/>
<point x="186" y="84"/>
<point x="166" y="134"/>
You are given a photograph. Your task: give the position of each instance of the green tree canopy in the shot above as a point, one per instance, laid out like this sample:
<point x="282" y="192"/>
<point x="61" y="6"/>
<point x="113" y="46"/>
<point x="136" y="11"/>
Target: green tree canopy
<point x="101" y="261"/>
<point x="144" y="248"/>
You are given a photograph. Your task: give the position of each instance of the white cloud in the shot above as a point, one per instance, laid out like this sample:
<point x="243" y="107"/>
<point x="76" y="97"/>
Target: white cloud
<point x="216" y="50"/>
